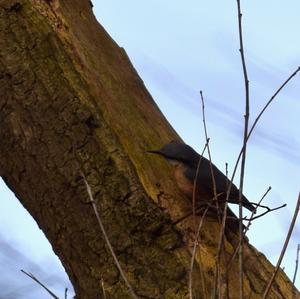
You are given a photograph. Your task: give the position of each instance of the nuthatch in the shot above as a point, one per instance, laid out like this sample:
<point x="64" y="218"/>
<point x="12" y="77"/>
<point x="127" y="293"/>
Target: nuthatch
<point x="185" y="161"/>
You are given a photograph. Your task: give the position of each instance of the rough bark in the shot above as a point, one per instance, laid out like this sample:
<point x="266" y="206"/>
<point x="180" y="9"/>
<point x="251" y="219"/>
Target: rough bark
<point x="71" y="101"/>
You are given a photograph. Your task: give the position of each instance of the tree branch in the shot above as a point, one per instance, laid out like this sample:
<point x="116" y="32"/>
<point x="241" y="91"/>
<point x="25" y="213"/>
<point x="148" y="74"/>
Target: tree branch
<point x="194" y="254"/>
<point x="41" y="284"/>
<point x="208" y="148"/>
<point x="263" y="214"/>
<point x="296" y="265"/>
<point x="89" y="191"/>
<point x="269" y="285"/>
<point x="244" y="152"/>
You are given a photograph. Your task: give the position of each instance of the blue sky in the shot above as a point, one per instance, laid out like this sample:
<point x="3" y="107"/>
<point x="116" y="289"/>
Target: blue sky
<point x="179" y="48"/>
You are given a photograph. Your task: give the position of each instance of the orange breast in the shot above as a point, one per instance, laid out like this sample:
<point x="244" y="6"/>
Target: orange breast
<point x="186" y="186"/>
<point x="183" y="183"/>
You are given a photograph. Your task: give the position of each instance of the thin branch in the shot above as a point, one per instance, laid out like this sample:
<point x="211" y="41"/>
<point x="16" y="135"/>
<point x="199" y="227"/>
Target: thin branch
<point x="41" y="284"/>
<point x="66" y="293"/>
<point x="197" y="209"/>
<point x="211" y="168"/>
<point x="226" y="172"/>
<point x="267" y="290"/>
<point x="194" y="200"/>
<point x="89" y="191"/>
<point x="243" y="150"/>
<point x="297" y="262"/>
<point x="269" y="210"/>
<point x="295" y="272"/>
<point x="202" y="273"/>
<point x="243" y="163"/>
<point x="264" y="213"/>
<point x="195" y="182"/>
<point x="248" y="225"/>
<point x="240" y="154"/>
<point x="220" y="244"/>
<point x="249" y="220"/>
<point x="208" y="149"/>
<point x="194" y="254"/>
<point x="194" y="204"/>
<point x="103" y="289"/>
<point x="257" y="205"/>
<point x="212" y="175"/>
<point x="220" y="247"/>
<point x="249" y="134"/>
<point x="246" y="230"/>
<point x="272" y="98"/>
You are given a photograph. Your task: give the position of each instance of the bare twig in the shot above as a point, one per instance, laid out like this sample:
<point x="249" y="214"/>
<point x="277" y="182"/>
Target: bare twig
<point x="257" y="205"/>
<point x="243" y="163"/>
<point x="212" y="173"/>
<point x="245" y="231"/>
<point x="194" y="202"/>
<point x="296" y="265"/>
<point x="272" y="98"/>
<point x="238" y="159"/>
<point x="215" y="198"/>
<point x="269" y="210"/>
<point x="195" y="182"/>
<point x="197" y="209"/>
<point x="208" y="151"/>
<point x="226" y="171"/>
<point x="249" y="134"/>
<point x="249" y="220"/>
<point x="41" y="284"/>
<point x="202" y="273"/>
<point x="269" y="285"/>
<point x="220" y="247"/>
<point x="89" y="191"/>
<point x="243" y="149"/>
<point x="66" y="293"/>
<point x="194" y="255"/>
<point x="263" y="214"/>
<point x="194" y="219"/>
<point x="103" y="289"/>
<point x="295" y="272"/>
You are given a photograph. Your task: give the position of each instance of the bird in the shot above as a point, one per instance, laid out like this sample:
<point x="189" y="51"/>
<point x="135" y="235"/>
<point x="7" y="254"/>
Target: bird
<point x="184" y="160"/>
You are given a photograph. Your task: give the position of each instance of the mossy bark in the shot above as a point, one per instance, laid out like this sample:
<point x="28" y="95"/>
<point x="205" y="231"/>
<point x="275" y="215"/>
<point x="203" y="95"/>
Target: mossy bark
<point x="70" y="101"/>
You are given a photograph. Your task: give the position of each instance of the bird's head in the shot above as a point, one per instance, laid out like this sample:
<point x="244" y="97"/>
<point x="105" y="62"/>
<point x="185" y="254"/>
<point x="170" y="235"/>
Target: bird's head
<point x="176" y="152"/>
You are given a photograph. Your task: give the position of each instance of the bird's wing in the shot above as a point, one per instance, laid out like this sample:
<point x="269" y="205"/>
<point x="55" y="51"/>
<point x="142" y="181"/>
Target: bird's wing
<point x="204" y="180"/>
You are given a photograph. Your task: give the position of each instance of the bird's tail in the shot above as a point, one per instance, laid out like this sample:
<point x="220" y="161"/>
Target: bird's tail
<point x="247" y="204"/>
<point x="234" y="194"/>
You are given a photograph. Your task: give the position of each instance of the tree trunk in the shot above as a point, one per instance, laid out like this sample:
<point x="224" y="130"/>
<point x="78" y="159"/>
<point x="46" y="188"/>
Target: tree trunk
<point x="71" y="102"/>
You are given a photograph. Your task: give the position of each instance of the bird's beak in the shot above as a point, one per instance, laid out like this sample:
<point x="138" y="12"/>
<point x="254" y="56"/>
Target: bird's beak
<point x="157" y="152"/>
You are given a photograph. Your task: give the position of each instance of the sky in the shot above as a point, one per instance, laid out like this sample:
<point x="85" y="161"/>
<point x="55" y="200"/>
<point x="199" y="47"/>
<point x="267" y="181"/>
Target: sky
<point x="178" y="49"/>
